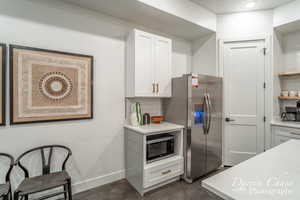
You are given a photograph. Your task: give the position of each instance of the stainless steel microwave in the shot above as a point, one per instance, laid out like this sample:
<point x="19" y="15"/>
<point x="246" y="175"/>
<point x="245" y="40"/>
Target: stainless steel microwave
<point x="160" y="147"/>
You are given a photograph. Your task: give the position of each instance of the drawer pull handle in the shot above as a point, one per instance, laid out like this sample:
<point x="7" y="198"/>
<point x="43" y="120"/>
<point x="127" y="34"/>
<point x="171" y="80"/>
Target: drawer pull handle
<point x="153" y="87"/>
<point x="293" y="133"/>
<point x="166" y="172"/>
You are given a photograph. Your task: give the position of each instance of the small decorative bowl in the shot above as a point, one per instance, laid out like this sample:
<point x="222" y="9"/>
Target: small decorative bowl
<point x="157" y="119"/>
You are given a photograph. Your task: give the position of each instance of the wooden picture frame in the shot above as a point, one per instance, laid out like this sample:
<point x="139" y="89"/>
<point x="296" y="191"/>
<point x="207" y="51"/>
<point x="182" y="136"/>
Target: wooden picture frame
<point x="3" y="84"/>
<point x="47" y="85"/>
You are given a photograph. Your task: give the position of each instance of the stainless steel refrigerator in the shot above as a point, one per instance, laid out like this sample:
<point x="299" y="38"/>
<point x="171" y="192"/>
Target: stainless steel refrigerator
<point x="196" y="103"/>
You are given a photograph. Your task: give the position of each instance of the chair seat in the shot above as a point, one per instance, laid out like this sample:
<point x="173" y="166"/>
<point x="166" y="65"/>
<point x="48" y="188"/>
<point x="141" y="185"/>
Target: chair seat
<point x="4" y="189"/>
<point x="42" y="183"/>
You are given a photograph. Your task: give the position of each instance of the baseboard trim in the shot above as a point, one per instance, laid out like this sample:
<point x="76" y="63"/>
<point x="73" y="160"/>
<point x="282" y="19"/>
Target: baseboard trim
<point x="98" y="181"/>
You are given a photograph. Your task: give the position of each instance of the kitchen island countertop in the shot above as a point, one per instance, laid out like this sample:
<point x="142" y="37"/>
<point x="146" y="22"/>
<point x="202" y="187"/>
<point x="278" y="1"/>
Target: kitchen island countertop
<point x="272" y="175"/>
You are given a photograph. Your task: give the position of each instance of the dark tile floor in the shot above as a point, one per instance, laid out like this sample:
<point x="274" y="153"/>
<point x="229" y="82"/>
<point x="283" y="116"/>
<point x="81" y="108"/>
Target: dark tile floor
<point x="122" y="190"/>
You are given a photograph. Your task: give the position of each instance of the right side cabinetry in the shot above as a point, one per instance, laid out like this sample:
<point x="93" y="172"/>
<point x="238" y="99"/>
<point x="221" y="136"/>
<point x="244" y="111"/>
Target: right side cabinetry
<point x="283" y="134"/>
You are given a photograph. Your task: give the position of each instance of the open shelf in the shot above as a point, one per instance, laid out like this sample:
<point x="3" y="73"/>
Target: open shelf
<point x="289" y="98"/>
<point x="289" y="74"/>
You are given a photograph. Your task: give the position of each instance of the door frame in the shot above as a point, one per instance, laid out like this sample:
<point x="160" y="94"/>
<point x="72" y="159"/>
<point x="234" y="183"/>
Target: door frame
<point x="268" y="76"/>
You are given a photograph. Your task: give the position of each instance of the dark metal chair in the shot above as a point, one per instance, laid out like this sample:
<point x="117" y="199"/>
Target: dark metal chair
<point x="48" y="180"/>
<point x="5" y="189"/>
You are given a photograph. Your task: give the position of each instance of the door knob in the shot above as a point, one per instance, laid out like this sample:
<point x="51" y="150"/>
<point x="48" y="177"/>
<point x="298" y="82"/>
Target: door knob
<point x="227" y="119"/>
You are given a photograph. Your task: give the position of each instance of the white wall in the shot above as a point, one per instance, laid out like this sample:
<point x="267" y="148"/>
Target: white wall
<point x="97" y="144"/>
<point x="243" y="25"/>
<point x="238" y="26"/>
<point x="291" y="46"/>
<point x="182" y="58"/>
<point x="187" y="10"/>
<point x="204" y="51"/>
<point x="246" y="24"/>
<point x="287" y="13"/>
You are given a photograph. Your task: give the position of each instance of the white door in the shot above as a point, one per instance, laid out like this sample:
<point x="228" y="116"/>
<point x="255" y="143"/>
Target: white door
<point x="244" y="66"/>
<point x="144" y="71"/>
<point x="163" y="66"/>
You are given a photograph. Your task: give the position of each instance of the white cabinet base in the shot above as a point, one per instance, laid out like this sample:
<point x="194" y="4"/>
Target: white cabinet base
<point x="283" y="134"/>
<point x="145" y="176"/>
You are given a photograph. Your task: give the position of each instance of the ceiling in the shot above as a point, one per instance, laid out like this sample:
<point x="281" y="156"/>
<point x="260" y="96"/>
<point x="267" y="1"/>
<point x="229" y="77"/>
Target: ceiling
<point x="231" y="6"/>
<point x="145" y="16"/>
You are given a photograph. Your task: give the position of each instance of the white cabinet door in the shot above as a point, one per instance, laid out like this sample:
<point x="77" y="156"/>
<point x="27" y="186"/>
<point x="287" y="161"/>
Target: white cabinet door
<point x="144" y="70"/>
<point x="163" y="66"/>
<point x="149" y="68"/>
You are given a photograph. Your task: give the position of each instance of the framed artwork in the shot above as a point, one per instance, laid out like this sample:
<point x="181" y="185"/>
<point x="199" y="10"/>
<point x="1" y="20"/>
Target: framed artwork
<point x="49" y="85"/>
<point x="2" y="82"/>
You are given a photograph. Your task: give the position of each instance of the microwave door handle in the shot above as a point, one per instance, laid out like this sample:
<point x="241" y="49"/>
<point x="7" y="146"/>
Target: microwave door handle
<point x="209" y="112"/>
<point x="159" y="140"/>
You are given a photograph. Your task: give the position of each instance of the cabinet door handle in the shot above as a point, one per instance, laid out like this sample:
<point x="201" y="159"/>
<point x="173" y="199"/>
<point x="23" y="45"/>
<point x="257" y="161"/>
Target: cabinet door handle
<point x="157" y="88"/>
<point x="166" y="172"/>
<point x="153" y="87"/>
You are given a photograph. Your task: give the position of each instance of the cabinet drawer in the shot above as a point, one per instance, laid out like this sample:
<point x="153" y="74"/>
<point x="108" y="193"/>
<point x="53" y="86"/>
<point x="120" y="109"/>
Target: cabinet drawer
<point x="279" y="139"/>
<point x="281" y="135"/>
<point x="163" y="172"/>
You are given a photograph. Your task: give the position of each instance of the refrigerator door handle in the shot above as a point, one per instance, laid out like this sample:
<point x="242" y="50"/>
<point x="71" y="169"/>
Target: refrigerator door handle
<point x="205" y="115"/>
<point x="209" y="112"/>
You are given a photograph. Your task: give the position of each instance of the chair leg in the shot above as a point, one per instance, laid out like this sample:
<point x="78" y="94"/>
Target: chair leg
<point x="69" y="189"/>
<point x="65" y="190"/>
<point x="16" y="196"/>
<point x="26" y="197"/>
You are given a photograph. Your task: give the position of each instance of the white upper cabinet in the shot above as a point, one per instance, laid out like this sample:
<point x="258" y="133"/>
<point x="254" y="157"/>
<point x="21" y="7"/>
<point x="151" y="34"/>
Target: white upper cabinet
<point x="144" y="73"/>
<point x="162" y="66"/>
<point x="149" y="65"/>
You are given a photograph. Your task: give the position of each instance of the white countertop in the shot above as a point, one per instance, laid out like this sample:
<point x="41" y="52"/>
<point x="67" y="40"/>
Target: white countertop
<point x="154" y="128"/>
<point x="285" y="124"/>
<point x="272" y="175"/>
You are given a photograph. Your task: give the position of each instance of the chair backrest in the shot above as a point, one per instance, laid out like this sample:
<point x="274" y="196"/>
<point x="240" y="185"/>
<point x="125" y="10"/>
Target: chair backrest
<point x="10" y="167"/>
<point x="46" y="159"/>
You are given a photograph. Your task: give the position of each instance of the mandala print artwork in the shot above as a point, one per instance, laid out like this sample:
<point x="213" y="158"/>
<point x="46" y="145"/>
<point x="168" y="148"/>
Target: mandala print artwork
<point x="2" y="82"/>
<point x="49" y="85"/>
